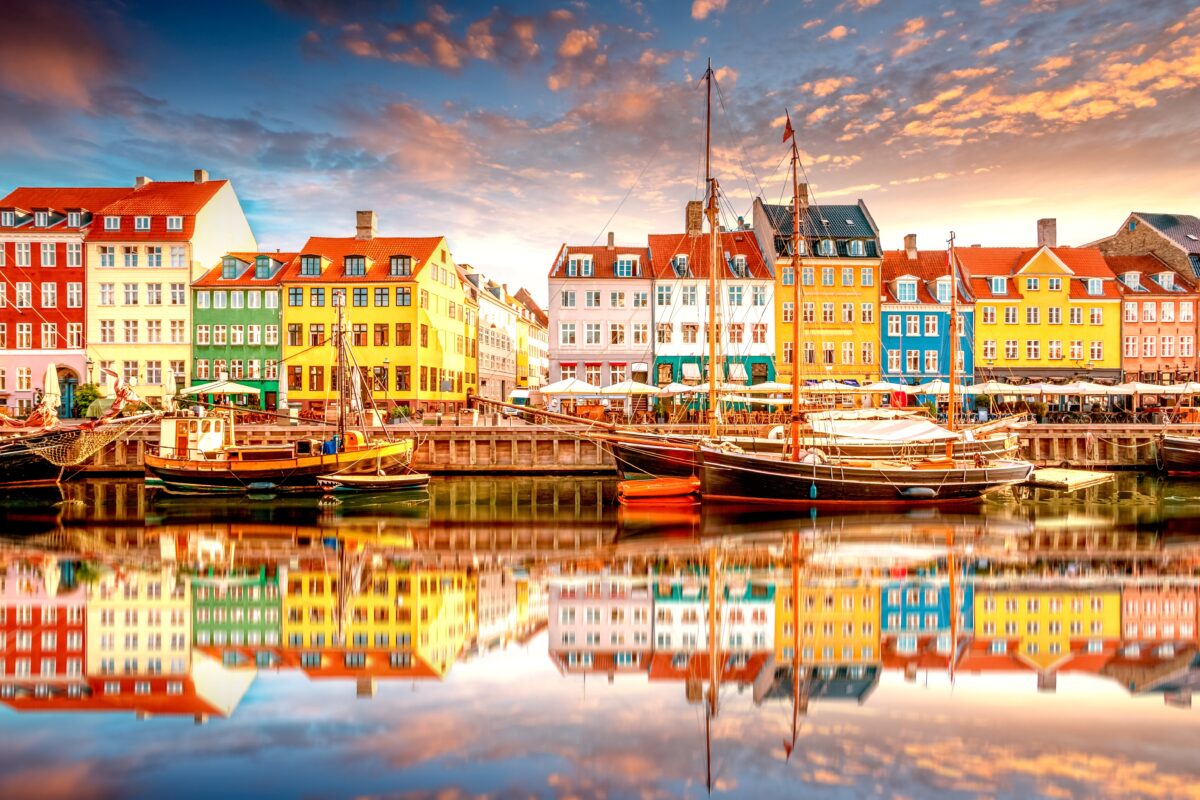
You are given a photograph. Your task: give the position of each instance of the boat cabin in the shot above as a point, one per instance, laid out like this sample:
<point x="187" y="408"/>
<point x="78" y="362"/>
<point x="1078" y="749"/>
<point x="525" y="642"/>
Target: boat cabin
<point x="211" y="439"/>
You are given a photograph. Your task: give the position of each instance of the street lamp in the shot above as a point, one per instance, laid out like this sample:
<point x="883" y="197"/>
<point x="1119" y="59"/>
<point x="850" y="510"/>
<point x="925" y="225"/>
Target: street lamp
<point x="89" y="364"/>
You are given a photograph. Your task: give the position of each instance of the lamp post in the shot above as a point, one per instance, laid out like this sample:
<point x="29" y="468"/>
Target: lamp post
<point x="89" y="364"/>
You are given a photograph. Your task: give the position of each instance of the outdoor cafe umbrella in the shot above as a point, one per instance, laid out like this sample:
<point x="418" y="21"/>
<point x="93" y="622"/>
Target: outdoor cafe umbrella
<point x="770" y="387"/>
<point x="223" y="387"/>
<point x="938" y="386"/>
<point x="629" y="387"/>
<point x="884" y="386"/>
<point x="51" y="393"/>
<point x="571" y="386"/>
<point x="676" y="388"/>
<point x="170" y="389"/>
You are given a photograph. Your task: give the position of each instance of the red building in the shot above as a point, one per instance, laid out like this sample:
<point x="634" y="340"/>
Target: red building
<point x="1158" y="320"/>
<point x="43" y="289"/>
<point x="42" y="631"/>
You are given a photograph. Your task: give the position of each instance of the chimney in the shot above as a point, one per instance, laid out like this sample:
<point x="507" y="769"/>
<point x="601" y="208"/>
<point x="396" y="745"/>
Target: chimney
<point x="365" y="225"/>
<point x="1047" y="232"/>
<point x="1047" y="681"/>
<point x="200" y="175"/>
<point x="611" y="241"/>
<point x="141" y="180"/>
<point x="910" y="246"/>
<point x="803" y="195"/>
<point x="695" y="218"/>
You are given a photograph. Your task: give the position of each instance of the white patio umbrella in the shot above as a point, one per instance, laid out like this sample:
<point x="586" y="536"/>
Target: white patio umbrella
<point x="884" y="386"/>
<point x="992" y="387"/>
<point x="629" y="387"/>
<point x="571" y="386"/>
<point x="938" y="386"/>
<point x="829" y="386"/>
<point x="170" y="389"/>
<point x="770" y="387"/>
<point x="676" y="388"/>
<point x="51" y="393"/>
<point x="220" y="387"/>
<point x="721" y="387"/>
<point x="1134" y="387"/>
<point x="1085" y="389"/>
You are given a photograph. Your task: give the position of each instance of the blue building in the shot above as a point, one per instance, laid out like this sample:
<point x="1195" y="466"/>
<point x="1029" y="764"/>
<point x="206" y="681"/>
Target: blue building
<point x="918" y="608"/>
<point x="915" y="330"/>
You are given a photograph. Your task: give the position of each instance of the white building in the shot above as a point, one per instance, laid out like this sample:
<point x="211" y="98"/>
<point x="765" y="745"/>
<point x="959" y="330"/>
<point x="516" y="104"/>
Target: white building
<point x="600" y="613"/>
<point x="497" y="353"/>
<point x="746" y="621"/>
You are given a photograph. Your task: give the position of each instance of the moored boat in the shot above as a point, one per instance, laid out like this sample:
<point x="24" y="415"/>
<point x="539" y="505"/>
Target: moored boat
<point x="1180" y="454"/>
<point x="406" y="482"/>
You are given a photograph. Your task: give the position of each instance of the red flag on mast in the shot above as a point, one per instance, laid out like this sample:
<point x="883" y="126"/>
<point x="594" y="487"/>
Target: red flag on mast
<point x="788" y="131"/>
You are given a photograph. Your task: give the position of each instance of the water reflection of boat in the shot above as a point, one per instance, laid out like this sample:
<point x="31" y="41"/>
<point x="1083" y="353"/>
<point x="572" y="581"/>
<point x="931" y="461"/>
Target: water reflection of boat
<point x="359" y="484"/>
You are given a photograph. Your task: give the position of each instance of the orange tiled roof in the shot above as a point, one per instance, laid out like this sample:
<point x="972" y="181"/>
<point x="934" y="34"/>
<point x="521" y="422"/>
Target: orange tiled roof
<point x="1147" y="265"/>
<point x="928" y="266"/>
<point x="1084" y="262"/>
<point x="604" y="261"/>
<point x="165" y="197"/>
<point x="665" y="246"/>
<point x="62" y="198"/>
<point x="663" y="668"/>
<point x="379" y="250"/>
<point x="246" y="276"/>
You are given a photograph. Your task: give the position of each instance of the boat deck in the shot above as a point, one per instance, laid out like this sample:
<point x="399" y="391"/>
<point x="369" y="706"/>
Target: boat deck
<point x="1067" y="480"/>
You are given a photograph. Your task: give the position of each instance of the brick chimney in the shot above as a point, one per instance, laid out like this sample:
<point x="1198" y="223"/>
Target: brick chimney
<point x="804" y="195"/>
<point x="365" y="225"/>
<point x="611" y="241"/>
<point x="1047" y="230"/>
<point x="200" y="175"/>
<point x="141" y="180"/>
<point x="694" y="218"/>
<point x="910" y="246"/>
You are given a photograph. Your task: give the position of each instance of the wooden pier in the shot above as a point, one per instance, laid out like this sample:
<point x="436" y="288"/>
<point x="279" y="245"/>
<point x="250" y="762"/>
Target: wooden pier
<point x="516" y="448"/>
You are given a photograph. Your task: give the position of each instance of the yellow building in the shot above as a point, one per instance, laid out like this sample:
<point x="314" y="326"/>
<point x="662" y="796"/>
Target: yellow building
<point x="1046" y="622"/>
<point x="139" y="624"/>
<point x="838" y="272"/>
<point x="143" y="252"/>
<point x="1044" y="313"/>
<point x="407" y="616"/>
<point x="408" y="314"/>
<point x="533" y="357"/>
<point x="838" y="624"/>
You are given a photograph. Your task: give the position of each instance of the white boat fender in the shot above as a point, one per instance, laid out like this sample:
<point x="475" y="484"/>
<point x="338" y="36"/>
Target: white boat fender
<point x="813" y="456"/>
<point x="918" y="493"/>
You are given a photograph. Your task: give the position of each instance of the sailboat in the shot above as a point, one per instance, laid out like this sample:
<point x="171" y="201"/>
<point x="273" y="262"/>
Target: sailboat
<point x="806" y="476"/>
<point x="201" y="455"/>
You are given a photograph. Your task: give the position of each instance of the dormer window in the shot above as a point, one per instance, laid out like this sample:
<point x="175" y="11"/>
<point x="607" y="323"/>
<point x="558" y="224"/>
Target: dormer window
<point x="229" y="268"/>
<point x="906" y="291"/>
<point x="355" y="266"/>
<point x="263" y="268"/>
<point x="739" y="266"/>
<point x="310" y="265"/>
<point x="112" y="223"/>
<point x="141" y="223"/>
<point x="1132" y="225"/>
<point x="828" y="248"/>
<point x="175" y="223"/>
<point x="41" y="219"/>
<point x="1166" y="280"/>
<point x="680" y="264"/>
<point x="1095" y="286"/>
<point x="857" y="248"/>
<point x="942" y="287"/>
<point x="1132" y="280"/>
<point x="579" y="265"/>
<point x="7" y="218"/>
<point x="401" y="267"/>
<point x="626" y="266"/>
<point x="74" y="219"/>
<point x="999" y="285"/>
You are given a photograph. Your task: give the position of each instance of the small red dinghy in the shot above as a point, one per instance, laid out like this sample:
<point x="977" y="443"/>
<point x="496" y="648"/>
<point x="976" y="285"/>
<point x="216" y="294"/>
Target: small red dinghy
<point x="657" y="488"/>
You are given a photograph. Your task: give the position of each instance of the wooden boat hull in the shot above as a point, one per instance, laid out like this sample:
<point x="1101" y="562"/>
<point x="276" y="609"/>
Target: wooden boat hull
<point x="1181" y="455"/>
<point x="21" y="466"/>
<point x="647" y="455"/>
<point x="657" y="489"/>
<point x="297" y="474"/>
<point x="339" y="484"/>
<point x="740" y="477"/>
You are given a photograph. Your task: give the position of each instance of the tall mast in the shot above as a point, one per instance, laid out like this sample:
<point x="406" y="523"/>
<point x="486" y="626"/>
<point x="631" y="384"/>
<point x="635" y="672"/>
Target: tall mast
<point x="953" y="342"/>
<point x="340" y="341"/>
<point x="714" y="237"/>
<point x="795" y="299"/>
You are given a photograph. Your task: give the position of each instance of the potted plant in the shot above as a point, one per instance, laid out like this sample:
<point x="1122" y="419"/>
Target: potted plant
<point x="1038" y="409"/>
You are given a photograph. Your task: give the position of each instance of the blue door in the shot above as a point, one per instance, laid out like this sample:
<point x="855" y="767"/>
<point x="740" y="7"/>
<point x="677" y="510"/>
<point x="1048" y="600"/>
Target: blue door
<point x="67" y="409"/>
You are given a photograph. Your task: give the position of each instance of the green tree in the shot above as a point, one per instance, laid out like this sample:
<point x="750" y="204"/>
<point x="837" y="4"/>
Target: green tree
<point x="85" y="393"/>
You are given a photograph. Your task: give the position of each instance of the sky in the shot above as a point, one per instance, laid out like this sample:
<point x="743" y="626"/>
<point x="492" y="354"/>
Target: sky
<point x="513" y="128"/>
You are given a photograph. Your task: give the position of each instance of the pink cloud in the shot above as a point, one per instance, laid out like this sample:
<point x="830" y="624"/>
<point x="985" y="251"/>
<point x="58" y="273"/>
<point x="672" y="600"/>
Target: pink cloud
<point x="701" y="9"/>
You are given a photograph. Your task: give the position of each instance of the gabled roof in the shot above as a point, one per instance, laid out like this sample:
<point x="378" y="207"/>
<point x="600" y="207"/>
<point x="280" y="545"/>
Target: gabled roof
<point x="927" y="267"/>
<point x="1182" y="229"/>
<point x="604" y="261"/>
<point x="838" y="222"/>
<point x="665" y="246"/>
<point x="245" y="277"/>
<point x="61" y="199"/>
<point x="671" y="666"/>
<point x="1007" y="262"/>
<point x="525" y="298"/>
<point x="1148" y="266"/>
<point x="379" y="250"/>
<point x="165" y="197"/>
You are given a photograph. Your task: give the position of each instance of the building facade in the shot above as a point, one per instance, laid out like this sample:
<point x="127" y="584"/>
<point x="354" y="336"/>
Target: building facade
<point x="139" y="624"/>
<point x="143" y="252"/>
<point x="1173" y="238"/>
<point x="43" y="298"/>
<point x="917" y="608"/>
<point x="1048" y="313"/>
<point x="746" y="617"/>
<point x="838" y="272"/>
<point x="1158" y="320"/>
<point x="1166" y="614"/>
<point x="406" y="316"/>
<point x="238" y="322"/>
<point x="838" y="625"/>
<point x="533" y="362"/>
<point x="605" y="613"/>
<point x="42" y="631"/>
<point x="1045" y="623"/>
<point x="238" y="613"/>
<point x="497" y="350"/>
<point x="915" y="328"/>
<point x="600" y="314"/>
<point x="745" y="311"/>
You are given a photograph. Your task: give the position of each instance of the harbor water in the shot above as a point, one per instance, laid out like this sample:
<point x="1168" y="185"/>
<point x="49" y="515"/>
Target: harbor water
<point x="531" y="637"/>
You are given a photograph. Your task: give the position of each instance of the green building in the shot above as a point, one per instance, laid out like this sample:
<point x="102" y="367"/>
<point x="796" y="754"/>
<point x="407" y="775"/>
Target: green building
<point x="237" y="319"/>
<point x="238" y="618"/>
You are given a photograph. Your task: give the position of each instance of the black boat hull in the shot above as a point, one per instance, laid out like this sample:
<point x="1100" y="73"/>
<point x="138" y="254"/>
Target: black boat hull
<point x="739" y="477"/>
<point x="21" y="466"/>
<point x="1181" y="455"/>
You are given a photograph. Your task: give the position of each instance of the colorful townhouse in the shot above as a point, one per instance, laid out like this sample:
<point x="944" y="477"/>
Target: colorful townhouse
<point x="491" y="606"/>
<point x="42" y="632"/>
<point x="237" y="320"/>
<point x="497" y="353"/>
<point x="746" y="622"/>
<point x="139" y="626"/>
<point x="401" y="623"/>
<point x="1165" y="669"/>
<point x="601" y="613"/>
<point x="1044" y="314"/>
<point x="1045" y="627"/>
<point x="238" y="620"/>
<point x="838" y="268"/>
<point x="533" y="359"/>
<point x="1158" y="320"/>
<point x="745" y="311"/>
<point x="1173" y="238"/>
<point x="916" y="332"/>
<point x="917" y="613"/>
<point x="600" y="314"/>
<point x="1159" y="614"/>
<point x="407" y="317"/>
<point x="838" y="624"/>
<point x="43" y="302"/>
<point x="143" y="253"/>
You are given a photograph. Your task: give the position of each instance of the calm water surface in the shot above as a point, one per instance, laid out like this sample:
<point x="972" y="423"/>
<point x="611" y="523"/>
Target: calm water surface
<point x="527" y="637"/>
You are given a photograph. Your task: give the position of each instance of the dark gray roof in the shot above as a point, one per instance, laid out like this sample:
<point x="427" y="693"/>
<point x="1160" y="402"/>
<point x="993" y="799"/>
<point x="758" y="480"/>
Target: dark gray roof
<point x="838" y="222"/>
<point x="1183" y="229"/>
<point x="842" y="682"/>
